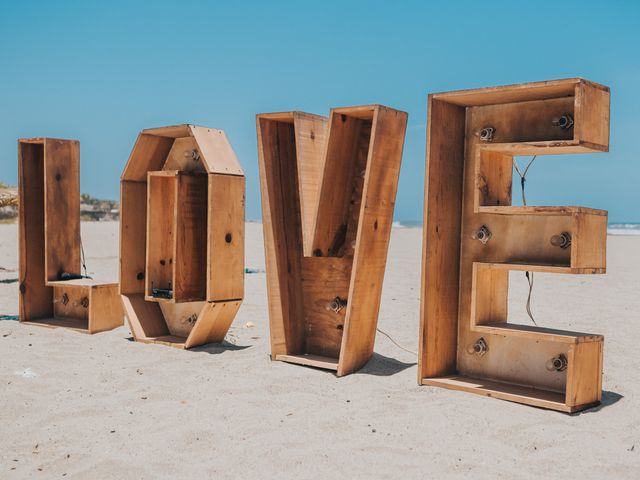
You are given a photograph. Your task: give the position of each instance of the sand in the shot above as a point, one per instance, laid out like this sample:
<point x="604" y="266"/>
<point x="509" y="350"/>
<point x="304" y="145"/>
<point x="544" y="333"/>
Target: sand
<point x="102" y="406"/>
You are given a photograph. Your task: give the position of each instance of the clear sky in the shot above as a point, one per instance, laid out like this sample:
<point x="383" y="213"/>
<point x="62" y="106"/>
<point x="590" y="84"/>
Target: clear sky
<point x="102" y="71"/>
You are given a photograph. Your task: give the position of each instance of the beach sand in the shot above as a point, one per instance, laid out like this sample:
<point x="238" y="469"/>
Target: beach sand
<point x="103" y="406"/>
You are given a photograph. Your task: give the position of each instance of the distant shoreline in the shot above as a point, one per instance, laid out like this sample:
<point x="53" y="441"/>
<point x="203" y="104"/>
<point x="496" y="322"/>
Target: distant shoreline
<point x="614" y="229"/>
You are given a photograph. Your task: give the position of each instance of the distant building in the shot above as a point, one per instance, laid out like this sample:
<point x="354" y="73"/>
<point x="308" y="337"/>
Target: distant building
<point x="91" y="209"/>
<point x="8" y="203"/>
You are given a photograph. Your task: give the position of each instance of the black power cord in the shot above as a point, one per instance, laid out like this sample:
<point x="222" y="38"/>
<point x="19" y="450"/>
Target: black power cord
<point x="529" y="275"/>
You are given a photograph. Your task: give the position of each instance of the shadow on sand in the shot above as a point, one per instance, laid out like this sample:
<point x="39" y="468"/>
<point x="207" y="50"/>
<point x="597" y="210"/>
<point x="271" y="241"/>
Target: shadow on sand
<point x="382" y="366"/>
<point x="216" y="348"/>
<point x="211" y="348"/>
<point x="608" y="398"/>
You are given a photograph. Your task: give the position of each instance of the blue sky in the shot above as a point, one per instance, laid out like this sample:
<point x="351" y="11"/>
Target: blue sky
<point x="102" y="71"/>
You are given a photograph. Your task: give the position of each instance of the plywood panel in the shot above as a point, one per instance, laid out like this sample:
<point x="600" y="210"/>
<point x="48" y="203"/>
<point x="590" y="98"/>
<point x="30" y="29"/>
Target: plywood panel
<point x="524" y="121"/>
<point x="213" y="323"/>
<point x="62" y="207"/>
<point x="511" y="93"/>
<point x="217" y="153"/>
<point x="592" y="114"/>
<point x="441" y="240"/>
<point x="513" y="359"/>
<point x="161" y="231"/>
<point x="181" y="317"/>
<point x="184" y="156"/>
<point x="190" y="254"/>
<point x="133" y="236"/>
<point x="71" y="302"/>
<point x="374" y="229"/>
<point x="149" y="154"/>
<point x="171" y="131"/>
<point x="76" y="324"/>
<point x="105" y="308"/>
<point x="589" y="241"/>
<point x="145" y="318"/>
<point x="310" y="360"/>
<point x="536" y="333"/>
<point x="494" y="179"/>
<point x="35" y="297"/>
<point x="282" y="234"/>
<point x="585" y="374"/>
<point x="323" y="280"/>
<point x="503" y="391"/>
<point x="311" y="139"/>
<point x="347" y="149"/>
<point x="225" y="264"/>
<point x="488" y="285"/>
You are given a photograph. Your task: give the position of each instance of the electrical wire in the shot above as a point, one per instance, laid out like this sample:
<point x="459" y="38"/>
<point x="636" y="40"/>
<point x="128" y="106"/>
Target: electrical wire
<point x="528" y="275"/>
<point x="82" y="258"/>
<point x="396" y="343"/>
<point x="523" y="176"/>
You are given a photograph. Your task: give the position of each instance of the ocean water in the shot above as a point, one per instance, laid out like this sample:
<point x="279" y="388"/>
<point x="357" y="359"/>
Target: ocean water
<point x="623" y="229"/>
<point x="612" y="229"/>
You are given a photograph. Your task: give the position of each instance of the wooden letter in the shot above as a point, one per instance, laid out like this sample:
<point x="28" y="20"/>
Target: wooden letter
<point x="473" y="237"/>
<point x="49" y="189"/>
<point x="328" y="192"/>
<point x="182" y="236"/>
